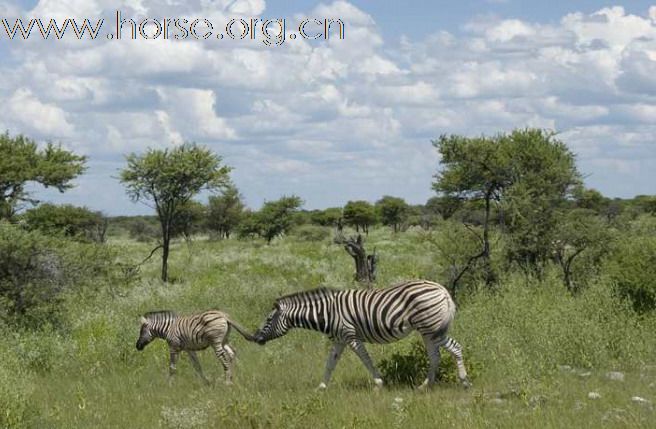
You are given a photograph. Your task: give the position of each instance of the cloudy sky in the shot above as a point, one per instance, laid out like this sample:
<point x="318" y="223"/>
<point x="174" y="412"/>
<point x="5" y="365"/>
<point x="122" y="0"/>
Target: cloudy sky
<point x="340" y="119"/>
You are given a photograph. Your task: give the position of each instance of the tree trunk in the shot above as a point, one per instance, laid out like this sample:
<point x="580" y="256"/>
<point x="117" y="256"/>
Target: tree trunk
<point x="365" y="265"/>
<point x="490" y="277"/>
<point x="165" y="259"/>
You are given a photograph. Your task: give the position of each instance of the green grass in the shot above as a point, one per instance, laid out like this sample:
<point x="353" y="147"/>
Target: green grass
<point x="90" y="375"/>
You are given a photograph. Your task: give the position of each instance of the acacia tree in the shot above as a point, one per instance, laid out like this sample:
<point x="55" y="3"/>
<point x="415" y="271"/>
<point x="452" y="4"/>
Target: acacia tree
<point x="167" y="179"/>
<point x="393" y="211"/>
<point x="359" y="214"/>
<point x="22" y="163"/>
<point x="528" y="173"/>
<point x="276" y="217"/>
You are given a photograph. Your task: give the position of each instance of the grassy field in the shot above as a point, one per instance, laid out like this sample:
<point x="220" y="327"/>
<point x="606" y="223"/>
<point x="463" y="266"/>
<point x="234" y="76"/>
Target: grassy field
<point x="534" y="352"/>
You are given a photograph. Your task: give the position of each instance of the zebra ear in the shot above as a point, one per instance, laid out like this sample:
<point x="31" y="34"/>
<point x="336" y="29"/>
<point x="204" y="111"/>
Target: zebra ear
<point x="143" y="320"/>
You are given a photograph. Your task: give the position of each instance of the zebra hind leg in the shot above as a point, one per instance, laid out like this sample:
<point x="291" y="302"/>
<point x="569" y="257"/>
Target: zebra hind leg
<point x="173" y="358"/>
<point x="456" y="351"/>
<point x="196" y="364"/>
<point x="433" y="351"/>
<point x="226" y="359"/>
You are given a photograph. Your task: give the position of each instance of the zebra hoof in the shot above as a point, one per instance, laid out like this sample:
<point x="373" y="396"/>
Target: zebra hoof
<point x="378" y="384"/>
<point x="322" y="386"/>
<point x="466" y="384"/>
<point x="423" y="387"/>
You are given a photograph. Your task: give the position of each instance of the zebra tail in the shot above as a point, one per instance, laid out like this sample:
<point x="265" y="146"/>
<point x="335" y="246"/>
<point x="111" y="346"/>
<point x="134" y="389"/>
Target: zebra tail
<point x="244" y="333"/>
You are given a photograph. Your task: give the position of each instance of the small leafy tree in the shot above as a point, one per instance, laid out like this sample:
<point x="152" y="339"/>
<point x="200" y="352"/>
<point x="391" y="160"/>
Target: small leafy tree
<point x="22" y="163"/>
<point x="393" y="211"/>
<point x="225" y="212"/>
<point x="277" y="217"/>
<point x="250" y="226"/>
<point x="167" y="179"/>
<point x="360" y="215"/>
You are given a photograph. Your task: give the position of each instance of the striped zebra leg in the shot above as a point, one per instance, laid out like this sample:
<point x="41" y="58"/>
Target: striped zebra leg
<point x="173" y="358"/>
<point x="225" y="358"/>
<point x="333" y="358"/>
<point x="196" y="364"/>
<point x="456" y="350"/>
<point x="433" y="351"/>
<point x="358" y="347"/>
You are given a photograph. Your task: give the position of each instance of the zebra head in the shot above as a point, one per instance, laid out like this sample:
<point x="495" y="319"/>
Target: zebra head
<point x="275" y="326"/>
<point x="145" y="335"/>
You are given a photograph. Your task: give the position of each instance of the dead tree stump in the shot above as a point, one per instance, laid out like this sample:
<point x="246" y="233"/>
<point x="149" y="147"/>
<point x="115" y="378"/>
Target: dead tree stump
<point x="365" y="265"/>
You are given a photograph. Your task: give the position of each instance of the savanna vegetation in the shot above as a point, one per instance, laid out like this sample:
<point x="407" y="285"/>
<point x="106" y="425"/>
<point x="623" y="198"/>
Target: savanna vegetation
<point x="555" y="283"/>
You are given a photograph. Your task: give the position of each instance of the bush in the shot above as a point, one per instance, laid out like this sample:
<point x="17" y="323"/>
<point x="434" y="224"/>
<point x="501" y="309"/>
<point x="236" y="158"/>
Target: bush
<point x="312" y="233"/>
<point x="36" y="270"/>
<point x="408" y="365"/>
<point x="632" y="268"/>
<point x="79" y="223"/>
<point x="143" y="231"/>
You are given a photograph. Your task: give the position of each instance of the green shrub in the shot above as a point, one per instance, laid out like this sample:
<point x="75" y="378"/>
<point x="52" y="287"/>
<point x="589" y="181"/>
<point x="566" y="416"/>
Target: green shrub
<point x="311" y="233"/>
<point x="633" y="269"/>
<point x="408" y="364"/>
<point x="76" y="222"/>
<point x="37" y="270"/>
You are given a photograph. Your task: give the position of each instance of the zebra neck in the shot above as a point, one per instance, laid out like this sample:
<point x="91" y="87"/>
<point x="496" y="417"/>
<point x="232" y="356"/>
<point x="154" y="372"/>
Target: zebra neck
<point x="315" y="317"/>
<point x="162" y="327"/>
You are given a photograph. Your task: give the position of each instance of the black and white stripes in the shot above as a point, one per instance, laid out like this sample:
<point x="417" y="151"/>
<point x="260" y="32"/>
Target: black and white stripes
<point x="353" y="317"/>
<point x="190" y="334"/>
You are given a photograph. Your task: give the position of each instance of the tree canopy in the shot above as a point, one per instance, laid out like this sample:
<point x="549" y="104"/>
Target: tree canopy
<point x="359" y="214"/>
<point x="23" y="162"/>
<point x="393" y="211"/>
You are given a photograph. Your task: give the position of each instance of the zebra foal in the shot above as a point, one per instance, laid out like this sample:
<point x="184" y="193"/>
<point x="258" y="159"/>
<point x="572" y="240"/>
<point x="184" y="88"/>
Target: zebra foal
<point x="353" y="317"/>
<point x="191" y="334"/>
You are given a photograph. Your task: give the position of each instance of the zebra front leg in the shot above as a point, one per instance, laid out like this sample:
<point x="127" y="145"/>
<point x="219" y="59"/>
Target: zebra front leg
<point x="225" y="357"/>
<point x="173" y="358"/>
<point x="358" y="347"/>
<point x="333" y="358"/>
<point x="433" y="351"/>
<point x="456" y="350"/>
<point x="196" y="364"/>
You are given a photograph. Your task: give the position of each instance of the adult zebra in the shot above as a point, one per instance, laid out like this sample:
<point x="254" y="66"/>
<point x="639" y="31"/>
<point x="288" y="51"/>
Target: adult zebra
<point x="353" y="317"/>
<point x="191" y="334"/>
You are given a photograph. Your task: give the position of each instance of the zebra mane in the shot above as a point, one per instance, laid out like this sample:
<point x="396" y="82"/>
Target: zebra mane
<point x="160" y="313"/>
<point x="307" y="294"/>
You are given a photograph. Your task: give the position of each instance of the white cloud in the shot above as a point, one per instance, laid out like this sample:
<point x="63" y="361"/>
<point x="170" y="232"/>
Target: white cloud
<point x="47" y="120"/>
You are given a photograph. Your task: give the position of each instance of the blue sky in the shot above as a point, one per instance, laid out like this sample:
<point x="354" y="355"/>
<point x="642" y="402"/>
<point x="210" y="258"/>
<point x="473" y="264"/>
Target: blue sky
<point x="345" y="119"/>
